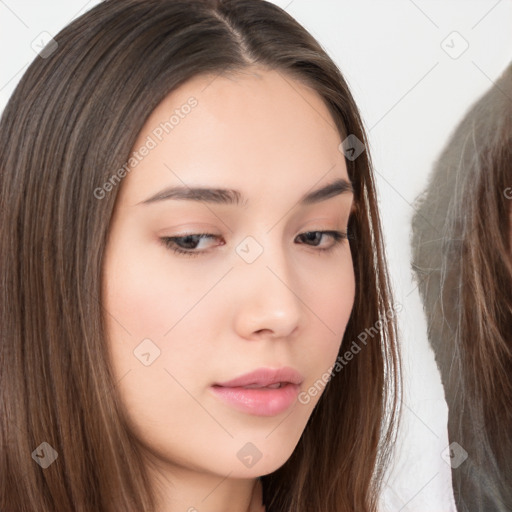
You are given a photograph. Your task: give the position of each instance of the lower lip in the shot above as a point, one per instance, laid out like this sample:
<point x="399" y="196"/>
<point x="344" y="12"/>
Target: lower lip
<point x="260" y="401"/>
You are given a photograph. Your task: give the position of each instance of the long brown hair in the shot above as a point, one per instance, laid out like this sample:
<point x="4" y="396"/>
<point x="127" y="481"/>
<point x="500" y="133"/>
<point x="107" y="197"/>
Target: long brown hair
<point x="462" y="244"/>
<point x="71" y="122"/>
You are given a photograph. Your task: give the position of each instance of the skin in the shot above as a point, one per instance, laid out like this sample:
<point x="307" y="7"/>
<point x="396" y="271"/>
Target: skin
<point x="215" y="317"/>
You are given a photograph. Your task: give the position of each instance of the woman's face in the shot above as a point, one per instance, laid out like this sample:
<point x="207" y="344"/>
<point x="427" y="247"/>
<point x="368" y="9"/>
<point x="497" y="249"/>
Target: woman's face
<point x="264" y="290"/>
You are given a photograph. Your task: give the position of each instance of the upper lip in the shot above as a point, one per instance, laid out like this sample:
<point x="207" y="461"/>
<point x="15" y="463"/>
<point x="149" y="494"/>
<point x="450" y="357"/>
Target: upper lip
<point x="264" y="377"/>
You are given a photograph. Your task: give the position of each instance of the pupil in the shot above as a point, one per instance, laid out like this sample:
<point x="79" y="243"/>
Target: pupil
<point x="313" y="236"/>
<point x="190" y="241"/>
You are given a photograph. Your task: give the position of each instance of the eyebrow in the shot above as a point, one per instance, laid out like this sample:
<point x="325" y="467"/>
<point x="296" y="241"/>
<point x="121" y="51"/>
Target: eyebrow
<point x="234" y="197"/>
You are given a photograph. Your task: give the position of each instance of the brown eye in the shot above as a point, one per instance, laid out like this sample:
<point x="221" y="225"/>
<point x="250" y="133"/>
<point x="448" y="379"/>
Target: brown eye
<point x="314" y="238"/>
<point x="187" y="244"/>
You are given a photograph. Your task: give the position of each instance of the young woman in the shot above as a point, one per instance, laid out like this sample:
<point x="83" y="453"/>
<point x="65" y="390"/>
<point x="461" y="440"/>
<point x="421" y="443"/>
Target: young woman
<point x="195" y="308"/>
<point x="463" y="256"/>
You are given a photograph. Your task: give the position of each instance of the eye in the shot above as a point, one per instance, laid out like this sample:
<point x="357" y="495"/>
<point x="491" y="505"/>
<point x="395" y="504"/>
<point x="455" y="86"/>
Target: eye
<point x="314" y="239"/>
<point x="189" y="245"/>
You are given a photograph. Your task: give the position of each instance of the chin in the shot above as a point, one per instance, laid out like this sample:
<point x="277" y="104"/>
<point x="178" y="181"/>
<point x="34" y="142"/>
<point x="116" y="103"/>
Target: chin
<point x="255" y="459"/>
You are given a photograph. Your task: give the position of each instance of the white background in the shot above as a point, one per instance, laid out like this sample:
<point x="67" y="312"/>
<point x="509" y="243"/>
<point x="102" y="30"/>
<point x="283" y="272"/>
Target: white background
<point x="412" y="94"/>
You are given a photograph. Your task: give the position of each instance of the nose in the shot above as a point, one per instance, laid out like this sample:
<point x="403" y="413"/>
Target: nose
<point x="268" y="300"/>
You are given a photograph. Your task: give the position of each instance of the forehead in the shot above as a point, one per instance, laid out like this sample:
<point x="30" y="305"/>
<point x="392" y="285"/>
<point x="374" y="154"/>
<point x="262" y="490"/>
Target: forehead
<point x="249" y="129"/>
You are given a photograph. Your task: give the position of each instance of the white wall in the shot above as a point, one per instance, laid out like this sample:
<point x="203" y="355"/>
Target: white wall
<point x="412" y="93"/>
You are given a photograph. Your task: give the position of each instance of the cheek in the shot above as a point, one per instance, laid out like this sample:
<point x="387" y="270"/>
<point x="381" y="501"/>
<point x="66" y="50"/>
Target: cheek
<point x="330" y="303"/>
<point x="152" y="314"/>
<point x="146" y="295"/>
<point x="329" y="294"/>
<point x="335" y="297"/>
<point x="158" y="327"/>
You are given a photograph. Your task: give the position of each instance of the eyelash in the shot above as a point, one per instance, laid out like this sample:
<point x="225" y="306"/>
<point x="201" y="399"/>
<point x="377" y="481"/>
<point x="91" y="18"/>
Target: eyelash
<point x="170" y="241"/>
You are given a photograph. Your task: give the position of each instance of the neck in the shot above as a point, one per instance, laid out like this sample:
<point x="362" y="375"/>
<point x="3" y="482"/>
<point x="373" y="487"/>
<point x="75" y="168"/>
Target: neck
<point x="183" y="490"/>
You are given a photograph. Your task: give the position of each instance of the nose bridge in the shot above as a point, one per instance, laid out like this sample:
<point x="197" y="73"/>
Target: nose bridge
<point x="266" y="257"/>
<point x="269" y="299"/>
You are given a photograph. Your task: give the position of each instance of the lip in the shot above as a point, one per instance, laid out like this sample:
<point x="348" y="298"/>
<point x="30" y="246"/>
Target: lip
<point x="264" y="377"/>
<point x="250" y="393"/>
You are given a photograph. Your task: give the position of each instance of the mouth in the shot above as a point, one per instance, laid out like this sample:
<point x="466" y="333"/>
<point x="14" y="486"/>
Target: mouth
<point x="265" y="377"/>
<point x="277" y="385"/>
<point x="263" y="392"/>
